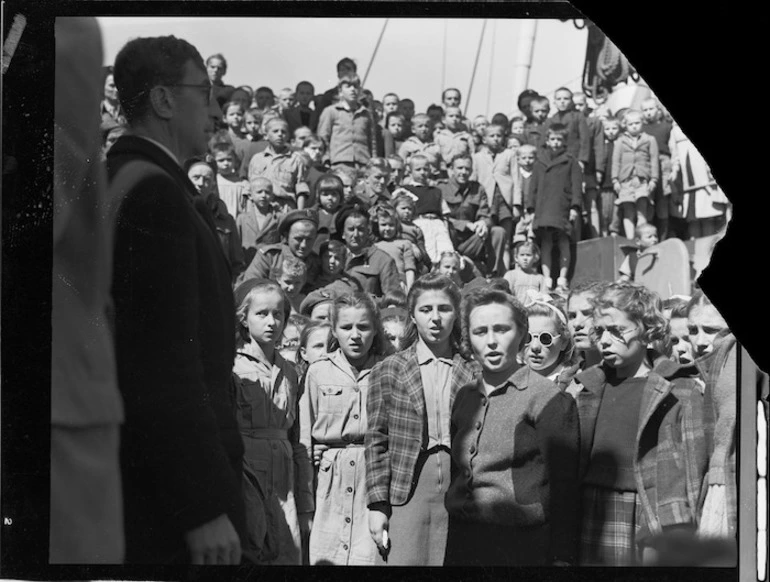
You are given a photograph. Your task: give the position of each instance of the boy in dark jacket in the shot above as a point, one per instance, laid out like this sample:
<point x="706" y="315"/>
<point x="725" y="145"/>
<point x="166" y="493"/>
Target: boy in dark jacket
<point x="555" y="198"/>
<point x="609" y="220"/>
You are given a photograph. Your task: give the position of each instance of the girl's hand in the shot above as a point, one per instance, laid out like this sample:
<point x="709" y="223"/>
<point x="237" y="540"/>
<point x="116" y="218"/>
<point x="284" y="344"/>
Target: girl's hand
<point x="378" y="523"/>
<point x="616" y="187"/>
<point x="318" y="451"/>
<point x="573" y="215"/>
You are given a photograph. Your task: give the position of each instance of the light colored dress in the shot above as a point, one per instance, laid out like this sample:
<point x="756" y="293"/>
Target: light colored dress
<point x="277" y="472"/>
<point x="232" y="194"/>
<point x="333" y="413"/>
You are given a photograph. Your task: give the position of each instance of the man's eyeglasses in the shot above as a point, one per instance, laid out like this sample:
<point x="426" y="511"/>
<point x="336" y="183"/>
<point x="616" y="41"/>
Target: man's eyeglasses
<point x="615" y="332"/>
<point x="207" y="87"/>
<point x="545" y="338"/>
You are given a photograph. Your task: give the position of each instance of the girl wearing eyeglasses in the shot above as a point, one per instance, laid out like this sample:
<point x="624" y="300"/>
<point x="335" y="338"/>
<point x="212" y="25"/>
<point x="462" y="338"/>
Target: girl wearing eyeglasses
<point x="548" y="346"/>
<point x="642" y="449"/>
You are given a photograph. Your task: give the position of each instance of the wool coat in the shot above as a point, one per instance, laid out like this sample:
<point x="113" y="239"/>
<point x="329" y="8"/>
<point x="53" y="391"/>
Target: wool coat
<point x="557" y="186"/>
<point x="181" y="451"/>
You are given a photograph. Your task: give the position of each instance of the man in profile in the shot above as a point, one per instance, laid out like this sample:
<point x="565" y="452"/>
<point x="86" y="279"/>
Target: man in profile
<point x="181" y="449"/>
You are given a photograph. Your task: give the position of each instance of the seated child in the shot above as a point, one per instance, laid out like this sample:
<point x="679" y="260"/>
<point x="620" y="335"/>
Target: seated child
<point x="284" y="168"/>
<point x="526" y="275"/>
<point x="430" y="208"/>
<point x="635" y="172"/>
<point x="328" y="195"/>
<point x="258" y="224"/>
<point x="405" y="207"/>
<point x="386" y="228"/>
<point x="646" y="236"/>
<point x="233" y="190"/>
<point x="334" y="256"/>
<point x="291" y="275"/>
<point x="421" y="140"/>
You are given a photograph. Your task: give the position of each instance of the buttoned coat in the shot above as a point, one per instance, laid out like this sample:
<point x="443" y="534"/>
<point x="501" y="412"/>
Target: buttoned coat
<point x="670" y="457"/>
<point x="557" y="186"/>
<point x="252" y="236"/>
<point x="398" y="425"/>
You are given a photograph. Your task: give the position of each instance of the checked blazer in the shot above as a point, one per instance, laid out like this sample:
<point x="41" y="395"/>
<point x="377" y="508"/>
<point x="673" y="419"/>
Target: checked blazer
<point x="398" y="425"/>
<point x="670" y="460"/>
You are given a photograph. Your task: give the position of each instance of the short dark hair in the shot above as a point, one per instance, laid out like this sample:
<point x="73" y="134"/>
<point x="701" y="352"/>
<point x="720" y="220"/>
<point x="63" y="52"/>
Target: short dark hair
<point x="434" y="107"/>
<point x="307" y="83"/>
<point x="143" y="63"/>
<point x="264" y="89"/>
<point x="557" y="129"/>
<point x="486" y="296"/>
<point x="347" y="61"/>
<point x="445" y="91"/>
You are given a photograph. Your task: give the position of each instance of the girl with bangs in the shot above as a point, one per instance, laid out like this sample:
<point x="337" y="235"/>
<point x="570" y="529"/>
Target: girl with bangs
<point x="642" y="449"/>
<point x="333" y="424"/>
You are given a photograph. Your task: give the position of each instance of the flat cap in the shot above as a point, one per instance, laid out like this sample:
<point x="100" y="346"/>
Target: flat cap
<point x="295" y="216"/>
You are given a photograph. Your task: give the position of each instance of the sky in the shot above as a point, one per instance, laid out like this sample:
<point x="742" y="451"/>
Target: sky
<point x="280" y="52"/>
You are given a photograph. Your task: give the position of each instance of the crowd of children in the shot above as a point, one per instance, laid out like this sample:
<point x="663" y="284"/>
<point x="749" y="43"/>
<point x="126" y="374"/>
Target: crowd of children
<point x="349" y="226"/>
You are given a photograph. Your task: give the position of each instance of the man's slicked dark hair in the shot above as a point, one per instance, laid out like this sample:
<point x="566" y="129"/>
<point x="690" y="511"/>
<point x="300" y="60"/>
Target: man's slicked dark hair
<point x="144" y="63"/>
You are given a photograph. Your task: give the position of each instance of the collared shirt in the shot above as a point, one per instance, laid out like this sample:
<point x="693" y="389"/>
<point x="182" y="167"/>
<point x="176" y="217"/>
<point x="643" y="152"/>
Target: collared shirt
<point x="347" y="133"/>
<point x="286" y="170"/>
<point x="467" y="203"/>
<point x="436" y="374"/>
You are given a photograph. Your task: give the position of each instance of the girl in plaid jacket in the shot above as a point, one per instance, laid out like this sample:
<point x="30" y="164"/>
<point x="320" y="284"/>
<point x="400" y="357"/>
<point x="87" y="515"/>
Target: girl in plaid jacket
<point x="407" y="442"/>
<point x="642" y="444"/>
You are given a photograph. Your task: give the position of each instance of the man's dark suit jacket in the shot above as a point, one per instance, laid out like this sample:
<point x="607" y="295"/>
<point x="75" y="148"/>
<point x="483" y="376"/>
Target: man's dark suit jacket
<point x="181" y="451"/>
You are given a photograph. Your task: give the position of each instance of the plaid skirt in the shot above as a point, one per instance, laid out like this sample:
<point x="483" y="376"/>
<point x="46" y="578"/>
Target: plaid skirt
<point x="610" y="524"/>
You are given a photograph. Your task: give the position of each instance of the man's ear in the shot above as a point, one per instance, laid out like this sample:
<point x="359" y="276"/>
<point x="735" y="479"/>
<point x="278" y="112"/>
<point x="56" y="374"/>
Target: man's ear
<point x="162" y="102"/>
